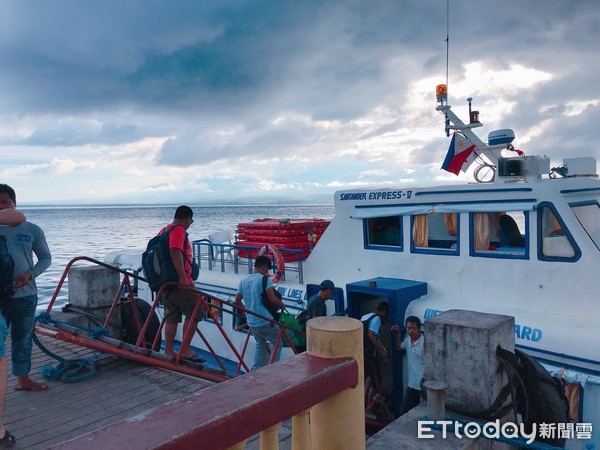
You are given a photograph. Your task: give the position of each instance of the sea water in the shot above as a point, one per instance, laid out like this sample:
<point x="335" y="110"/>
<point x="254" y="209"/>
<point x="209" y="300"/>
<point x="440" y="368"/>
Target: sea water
<point x="98" y="230"/>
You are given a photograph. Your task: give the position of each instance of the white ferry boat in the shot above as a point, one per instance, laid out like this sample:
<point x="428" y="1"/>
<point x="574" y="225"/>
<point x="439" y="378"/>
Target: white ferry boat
<point x="523" y="241"/>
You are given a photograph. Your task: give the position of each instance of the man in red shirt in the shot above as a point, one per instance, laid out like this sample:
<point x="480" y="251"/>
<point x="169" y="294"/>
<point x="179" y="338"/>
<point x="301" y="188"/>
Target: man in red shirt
<point x="180" y="300"/>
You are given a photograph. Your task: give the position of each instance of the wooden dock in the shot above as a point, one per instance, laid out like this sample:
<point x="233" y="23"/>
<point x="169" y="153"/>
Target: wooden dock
<point x="120" y="389"/>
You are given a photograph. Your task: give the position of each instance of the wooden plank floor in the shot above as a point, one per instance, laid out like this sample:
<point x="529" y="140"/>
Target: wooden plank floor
<point x="120" y="389"/>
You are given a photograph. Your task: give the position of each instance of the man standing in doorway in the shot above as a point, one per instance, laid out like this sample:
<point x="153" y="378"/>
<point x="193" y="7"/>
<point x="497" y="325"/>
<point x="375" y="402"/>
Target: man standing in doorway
<point x="180" y="300"/>
<point x="373" y="349"/>
<point x="250" y="290"/>
<point x="373" y="321"/>
<point x="23" y="241"/>
<point x="412" y="345"/>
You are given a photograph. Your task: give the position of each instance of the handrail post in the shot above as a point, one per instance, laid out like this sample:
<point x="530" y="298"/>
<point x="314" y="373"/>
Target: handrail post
<point x="236" y="259"/>
<point x="301" y="431"/>
<point x="338" y="422"/>
<point x="269" y="438"/>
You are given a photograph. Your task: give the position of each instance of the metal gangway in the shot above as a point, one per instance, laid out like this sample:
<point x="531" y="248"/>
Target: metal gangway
<point x="146" y="347"/>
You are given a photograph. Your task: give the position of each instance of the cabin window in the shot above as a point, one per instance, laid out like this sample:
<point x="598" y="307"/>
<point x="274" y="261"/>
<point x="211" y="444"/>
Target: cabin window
<point x="435" y="233"/>
<point x="499" y="234"/>
<point x="556" y="243"/>
<point x="383" y="233"/>
<point x="589" y="218"/>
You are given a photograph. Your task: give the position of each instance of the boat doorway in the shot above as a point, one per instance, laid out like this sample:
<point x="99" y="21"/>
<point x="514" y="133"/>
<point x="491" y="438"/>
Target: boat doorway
<point x="363" y="298"/>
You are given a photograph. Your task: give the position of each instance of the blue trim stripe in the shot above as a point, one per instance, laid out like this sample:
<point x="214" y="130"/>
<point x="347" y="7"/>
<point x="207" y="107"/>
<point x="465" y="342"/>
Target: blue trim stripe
<point x="583" y="203"/>
<point x="456" y="202"/>
<point x="391" y="205"/>
<point x="561" y="355"/>
<point x="470" y="191"/>
<point x="572" y="191"/>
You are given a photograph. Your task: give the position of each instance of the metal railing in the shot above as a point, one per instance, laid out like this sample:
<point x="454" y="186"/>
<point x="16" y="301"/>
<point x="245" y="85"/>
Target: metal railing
<point x="145" y="352"/>
<point x="224" y="256"/>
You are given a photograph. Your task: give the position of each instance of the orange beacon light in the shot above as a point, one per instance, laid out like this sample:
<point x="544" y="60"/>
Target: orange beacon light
<point x="441" y="92"/>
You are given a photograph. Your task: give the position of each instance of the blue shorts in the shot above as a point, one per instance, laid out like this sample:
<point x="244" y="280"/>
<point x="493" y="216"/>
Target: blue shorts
<point x="3" y="335"/>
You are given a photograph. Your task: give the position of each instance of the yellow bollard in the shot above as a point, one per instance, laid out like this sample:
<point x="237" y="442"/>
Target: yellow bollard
<point x="338" y="422"/>
<point x="269" y="438"/>
<point x="301" y="431"/>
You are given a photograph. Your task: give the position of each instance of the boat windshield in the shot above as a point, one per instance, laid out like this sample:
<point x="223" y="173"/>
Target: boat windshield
<point x="589" y="218"/>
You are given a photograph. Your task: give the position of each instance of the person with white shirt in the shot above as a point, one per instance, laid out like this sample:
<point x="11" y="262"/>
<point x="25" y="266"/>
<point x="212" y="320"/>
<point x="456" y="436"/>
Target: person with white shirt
<point x="412" y="345"/>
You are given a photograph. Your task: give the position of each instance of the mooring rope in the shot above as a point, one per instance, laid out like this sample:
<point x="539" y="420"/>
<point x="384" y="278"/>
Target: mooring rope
<point x="68" y="370"/>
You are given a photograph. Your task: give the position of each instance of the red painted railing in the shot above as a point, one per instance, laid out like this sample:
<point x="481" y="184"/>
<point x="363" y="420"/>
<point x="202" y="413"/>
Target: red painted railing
<point x="228" y="413"/>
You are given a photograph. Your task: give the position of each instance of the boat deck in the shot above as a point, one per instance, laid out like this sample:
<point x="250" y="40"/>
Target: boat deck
<point x="120" y="389"/>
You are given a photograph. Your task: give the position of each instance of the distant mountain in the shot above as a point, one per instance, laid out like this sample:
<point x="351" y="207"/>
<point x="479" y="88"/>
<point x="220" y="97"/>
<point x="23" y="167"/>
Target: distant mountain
<point x="164" y="200"/>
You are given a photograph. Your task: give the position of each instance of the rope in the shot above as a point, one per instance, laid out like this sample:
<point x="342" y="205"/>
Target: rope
<point x="517" y="442"/>
<point x="68" y="370"/>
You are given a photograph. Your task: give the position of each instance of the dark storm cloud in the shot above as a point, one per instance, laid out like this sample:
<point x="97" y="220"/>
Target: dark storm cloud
<point x="71" y="55"/>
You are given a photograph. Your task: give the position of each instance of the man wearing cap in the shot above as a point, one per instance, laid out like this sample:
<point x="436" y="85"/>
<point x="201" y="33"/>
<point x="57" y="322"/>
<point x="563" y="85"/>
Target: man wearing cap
<point x="250" y="290"/>
<point x="316" y="304"/>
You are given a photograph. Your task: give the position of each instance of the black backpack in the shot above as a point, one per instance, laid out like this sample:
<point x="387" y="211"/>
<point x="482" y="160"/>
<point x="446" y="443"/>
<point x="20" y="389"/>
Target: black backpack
<point x="273" y="309"/>
<point x="303" y="317"/>
<point x="7" y="267"/>
<point x="157" y="264"/>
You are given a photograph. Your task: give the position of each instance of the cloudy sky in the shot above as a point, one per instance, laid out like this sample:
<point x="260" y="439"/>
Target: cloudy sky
<point x="213" y="101"/>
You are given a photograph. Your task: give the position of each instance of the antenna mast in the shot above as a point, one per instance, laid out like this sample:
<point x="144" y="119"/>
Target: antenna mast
<point x="498" y="140"/>
<point x="447" y="38"/>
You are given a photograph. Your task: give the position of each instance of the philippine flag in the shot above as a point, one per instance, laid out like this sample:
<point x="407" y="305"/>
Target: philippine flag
<point x="461" y="151"/>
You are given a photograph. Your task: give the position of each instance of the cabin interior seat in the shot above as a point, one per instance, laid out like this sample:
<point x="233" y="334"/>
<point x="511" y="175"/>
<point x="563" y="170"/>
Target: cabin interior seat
<point x="510" y="236"/>
<point x="558" y="246"/>
<point x="221" y="237"/>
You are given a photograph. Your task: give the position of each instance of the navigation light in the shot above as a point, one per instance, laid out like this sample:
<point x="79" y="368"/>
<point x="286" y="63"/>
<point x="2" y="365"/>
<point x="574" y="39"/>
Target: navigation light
<point x="441" y="92"/>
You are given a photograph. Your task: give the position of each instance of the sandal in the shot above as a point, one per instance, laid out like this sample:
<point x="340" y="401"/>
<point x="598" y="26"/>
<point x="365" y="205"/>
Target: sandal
<point x="8" y="440"/>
